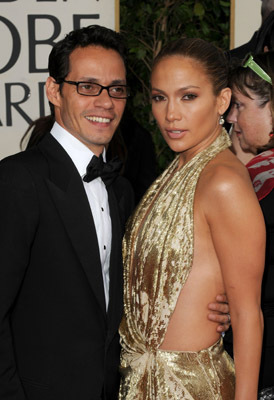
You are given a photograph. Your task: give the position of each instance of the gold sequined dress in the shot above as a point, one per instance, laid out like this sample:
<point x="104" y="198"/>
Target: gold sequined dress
<point x="158" y="253"/>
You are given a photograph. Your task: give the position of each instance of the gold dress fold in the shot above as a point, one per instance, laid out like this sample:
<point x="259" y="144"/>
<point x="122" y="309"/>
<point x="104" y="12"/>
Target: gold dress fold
<point x="158" y="253"/>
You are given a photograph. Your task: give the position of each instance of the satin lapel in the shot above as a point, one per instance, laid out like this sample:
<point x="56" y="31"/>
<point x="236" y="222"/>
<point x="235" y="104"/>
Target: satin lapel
<point x="68" y="193"/>
<point x="116" y="272"/>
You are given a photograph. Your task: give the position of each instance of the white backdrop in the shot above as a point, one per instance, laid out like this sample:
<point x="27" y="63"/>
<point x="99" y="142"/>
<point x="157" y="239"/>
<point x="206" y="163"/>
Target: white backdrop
<point x="247" y="19"/>
<point x="28" y="29"/>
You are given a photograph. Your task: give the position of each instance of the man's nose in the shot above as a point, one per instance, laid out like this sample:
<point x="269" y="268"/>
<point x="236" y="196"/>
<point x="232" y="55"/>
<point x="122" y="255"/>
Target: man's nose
<point x="104" y="99"/>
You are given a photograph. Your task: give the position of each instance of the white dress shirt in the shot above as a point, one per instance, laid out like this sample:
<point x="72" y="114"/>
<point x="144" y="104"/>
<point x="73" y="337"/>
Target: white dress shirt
<point x="96" y="193"/>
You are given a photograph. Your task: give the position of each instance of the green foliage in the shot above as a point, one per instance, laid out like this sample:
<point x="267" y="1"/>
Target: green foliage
<point x="147" y="26"/>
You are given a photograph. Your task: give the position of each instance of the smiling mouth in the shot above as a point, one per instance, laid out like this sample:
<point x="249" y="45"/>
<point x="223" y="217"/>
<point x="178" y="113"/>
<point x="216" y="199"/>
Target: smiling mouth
<point x="99" y="119"/>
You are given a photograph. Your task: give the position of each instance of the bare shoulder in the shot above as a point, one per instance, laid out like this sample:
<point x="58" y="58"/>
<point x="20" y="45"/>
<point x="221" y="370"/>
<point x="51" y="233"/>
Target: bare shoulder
<point x="223" y="174"/>
<point x="225" y="181"/>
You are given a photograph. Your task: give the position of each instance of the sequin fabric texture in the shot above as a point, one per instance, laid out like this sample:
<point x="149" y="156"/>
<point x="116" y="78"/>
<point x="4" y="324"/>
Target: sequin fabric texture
<point x="158" y="253"/>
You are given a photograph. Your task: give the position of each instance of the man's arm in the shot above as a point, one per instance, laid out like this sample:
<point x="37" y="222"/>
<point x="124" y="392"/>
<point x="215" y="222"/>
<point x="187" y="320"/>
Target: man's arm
<point x="219" y="312"/>
<point x="18" y="211"/>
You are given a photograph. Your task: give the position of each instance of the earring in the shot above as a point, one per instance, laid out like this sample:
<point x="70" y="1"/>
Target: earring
<point x="221" y="120"/>
<point x="271" y="134"/>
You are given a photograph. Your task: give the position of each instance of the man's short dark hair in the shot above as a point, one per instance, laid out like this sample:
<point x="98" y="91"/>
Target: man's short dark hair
<point x="93" y="35"/>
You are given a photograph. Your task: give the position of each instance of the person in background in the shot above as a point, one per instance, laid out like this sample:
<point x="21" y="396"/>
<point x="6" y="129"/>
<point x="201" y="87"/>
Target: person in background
<point x="197" y="232"/>
<point x="251" y="114"/>
<point x="62" y="216"/>
<point x="262" y="39"/>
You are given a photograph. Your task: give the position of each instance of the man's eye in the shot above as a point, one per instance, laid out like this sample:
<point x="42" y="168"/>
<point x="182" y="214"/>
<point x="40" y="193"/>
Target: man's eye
<point x="118" y="89"/>
<point x="87" y="86"/>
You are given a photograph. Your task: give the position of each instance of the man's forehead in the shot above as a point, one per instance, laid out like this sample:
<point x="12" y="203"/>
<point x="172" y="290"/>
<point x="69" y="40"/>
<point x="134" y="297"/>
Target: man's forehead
<point x="93" y="63"/>
<point x="95" y="50"/>
<point x="95" y="54"/>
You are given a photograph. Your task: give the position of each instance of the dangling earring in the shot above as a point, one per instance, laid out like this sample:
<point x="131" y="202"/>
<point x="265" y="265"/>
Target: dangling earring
<point x="221" y="120"/>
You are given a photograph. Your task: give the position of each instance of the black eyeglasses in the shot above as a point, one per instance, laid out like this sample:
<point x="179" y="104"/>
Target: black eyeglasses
<point x="95" y="89"/>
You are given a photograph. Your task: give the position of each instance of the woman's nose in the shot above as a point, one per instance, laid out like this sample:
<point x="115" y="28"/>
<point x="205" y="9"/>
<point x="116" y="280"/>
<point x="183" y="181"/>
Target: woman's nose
<point x="172" y="112"/>
<point x="232" y="115"/>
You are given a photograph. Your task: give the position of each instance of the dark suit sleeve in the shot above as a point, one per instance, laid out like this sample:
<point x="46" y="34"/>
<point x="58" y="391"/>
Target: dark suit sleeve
<point x="125" y="197"/>
<point x="18" y="222"/>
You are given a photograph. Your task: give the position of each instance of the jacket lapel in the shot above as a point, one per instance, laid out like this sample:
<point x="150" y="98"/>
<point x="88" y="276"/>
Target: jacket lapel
<point x="68" y="193"/>
<point x="116" y="272"/>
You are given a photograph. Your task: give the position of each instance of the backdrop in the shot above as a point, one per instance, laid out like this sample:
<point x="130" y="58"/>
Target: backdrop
<point x="245" y="20"/>
<point x="28" y="30"/>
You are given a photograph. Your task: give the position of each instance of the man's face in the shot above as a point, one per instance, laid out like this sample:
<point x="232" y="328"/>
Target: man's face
<point x="91" y="119"/>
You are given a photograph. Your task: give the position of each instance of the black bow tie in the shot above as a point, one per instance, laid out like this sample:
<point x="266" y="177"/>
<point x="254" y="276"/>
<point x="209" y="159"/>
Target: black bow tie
<point x="107" y="171"/>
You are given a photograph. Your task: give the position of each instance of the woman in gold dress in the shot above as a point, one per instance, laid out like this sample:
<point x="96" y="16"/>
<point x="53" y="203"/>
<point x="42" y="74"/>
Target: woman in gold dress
<point x="197" y="232"/>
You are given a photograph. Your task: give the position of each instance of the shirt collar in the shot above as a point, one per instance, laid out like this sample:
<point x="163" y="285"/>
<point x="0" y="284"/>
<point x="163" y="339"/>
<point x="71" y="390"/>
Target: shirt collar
<point x="78" y="152"/>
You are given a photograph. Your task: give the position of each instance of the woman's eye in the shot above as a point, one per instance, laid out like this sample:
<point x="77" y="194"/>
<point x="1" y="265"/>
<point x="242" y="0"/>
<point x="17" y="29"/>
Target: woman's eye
<point x="157" y="97"/>
<point x="235" y="104"/>
<point x="189" y="96"/>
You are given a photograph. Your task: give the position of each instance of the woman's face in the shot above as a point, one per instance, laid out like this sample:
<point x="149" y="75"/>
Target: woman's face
<point x="251" y="123"/>
<point x="184" y="105"/>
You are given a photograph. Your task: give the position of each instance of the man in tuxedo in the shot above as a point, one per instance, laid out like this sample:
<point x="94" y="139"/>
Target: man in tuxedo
<point x="61" y="226"/>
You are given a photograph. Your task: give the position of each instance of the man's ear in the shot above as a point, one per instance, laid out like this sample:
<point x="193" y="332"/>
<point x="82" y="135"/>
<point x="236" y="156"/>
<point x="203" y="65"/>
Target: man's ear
<point x="53" y="91"/>
<point x="224" y="100"/>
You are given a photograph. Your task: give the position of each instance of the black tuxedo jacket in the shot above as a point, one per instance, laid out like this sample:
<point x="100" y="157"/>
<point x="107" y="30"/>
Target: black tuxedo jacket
<point x="57" y="342"/>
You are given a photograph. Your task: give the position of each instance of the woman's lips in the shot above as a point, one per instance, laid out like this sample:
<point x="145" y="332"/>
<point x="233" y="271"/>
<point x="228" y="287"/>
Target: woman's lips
<point x="175" y="133"/>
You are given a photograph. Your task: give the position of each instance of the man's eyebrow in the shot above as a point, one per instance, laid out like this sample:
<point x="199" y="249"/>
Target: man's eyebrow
<point x="96" y="80"/>
<point x="119" y="82"/>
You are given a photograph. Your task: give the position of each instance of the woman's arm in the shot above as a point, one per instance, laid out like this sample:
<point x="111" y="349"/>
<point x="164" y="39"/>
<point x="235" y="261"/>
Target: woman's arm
<point x="238" y="231"/>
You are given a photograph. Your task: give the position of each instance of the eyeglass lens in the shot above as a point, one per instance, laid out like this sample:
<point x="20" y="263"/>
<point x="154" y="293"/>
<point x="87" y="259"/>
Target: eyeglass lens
<point x="94" y="89"/>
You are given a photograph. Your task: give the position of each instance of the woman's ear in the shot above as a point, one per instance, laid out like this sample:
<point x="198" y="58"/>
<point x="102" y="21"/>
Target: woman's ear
<point x="224" y="100"/>
<point x="53" y="91"/>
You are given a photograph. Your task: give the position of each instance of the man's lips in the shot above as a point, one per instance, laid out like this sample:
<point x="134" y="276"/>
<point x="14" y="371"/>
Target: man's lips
<point x="102" y="120"/>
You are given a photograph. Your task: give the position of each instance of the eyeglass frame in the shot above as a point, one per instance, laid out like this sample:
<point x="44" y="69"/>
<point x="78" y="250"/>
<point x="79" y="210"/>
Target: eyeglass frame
<point x="75" y="83"/>
<point x="250" y="63"/>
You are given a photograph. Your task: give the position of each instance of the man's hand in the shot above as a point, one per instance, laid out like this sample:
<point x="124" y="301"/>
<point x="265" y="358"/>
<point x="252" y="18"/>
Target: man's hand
<point x="220" y="313"/>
